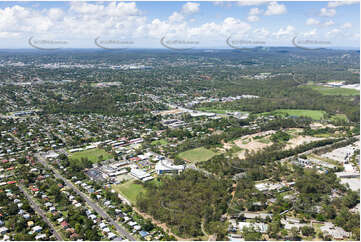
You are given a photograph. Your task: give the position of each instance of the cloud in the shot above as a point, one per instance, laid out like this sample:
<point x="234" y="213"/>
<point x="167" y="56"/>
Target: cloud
<point x="255" y="11"/>
<point x="311" y="33"/>
<point x="112" y="9"/>
<point x="17" y="19"/>
<point x="327" y="12"/>
<point x="346" y="25"/>
<point x="250" y="3"/>
<point x="275" y="9"/>
<point x="253" y="18"/>
<point x="329" y="23"/>
<point x="227" y="27"/>
<point x="284" y="32"/>
<point x="176" y="17"/>
<point x="222" y="3"/>
<point x="261" y="33"/>
<point x="333" y="32"/>
<point x="335" y="4"/>
<point x="190" y="8"/>
<point x="312" y="21"/>
<point x="55" y="13"/>
<point x="85" y="8"/>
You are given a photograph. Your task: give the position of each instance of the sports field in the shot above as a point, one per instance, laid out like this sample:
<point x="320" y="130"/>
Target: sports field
<point x="314" y="114"/>
<point x="335" y="90"/>
<point x="196" y="155"/>
<point x="130" y="190"/>
<point x="160" y="142"/>
<point x="93" y="155"/>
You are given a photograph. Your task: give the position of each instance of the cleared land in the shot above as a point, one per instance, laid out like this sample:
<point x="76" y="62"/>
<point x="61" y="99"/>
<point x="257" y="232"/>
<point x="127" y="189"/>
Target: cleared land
<point x="335" y="90"/>
<point x="196" y="155"/>
<point x="92" y="154"/>
<point x="129" y="189"/>
<point x="300" y="140"/>
<point x="250" y="143"/>
<point x="259" y="141"/>
<point x="314" y="114"/>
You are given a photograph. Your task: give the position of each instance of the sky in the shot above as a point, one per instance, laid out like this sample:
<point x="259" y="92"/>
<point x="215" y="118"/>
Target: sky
<point x="179" y="25"/>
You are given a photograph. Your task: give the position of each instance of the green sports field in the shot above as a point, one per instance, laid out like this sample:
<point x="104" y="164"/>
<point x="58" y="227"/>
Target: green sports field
<point x="130" y="190"/>
<point x="92" y="154"/>
<point x="314" y="114"/>
<point x="335" y="90"/>
<point x="196" y="155"/>
<point x="160" y="142"/>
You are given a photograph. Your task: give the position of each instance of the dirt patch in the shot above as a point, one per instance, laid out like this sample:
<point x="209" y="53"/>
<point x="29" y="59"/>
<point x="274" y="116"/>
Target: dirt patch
<point x="249" y="143"/>
<point x="173" y="111"/>
<point x="294" y="142"/>
<point x="322" y="126"/>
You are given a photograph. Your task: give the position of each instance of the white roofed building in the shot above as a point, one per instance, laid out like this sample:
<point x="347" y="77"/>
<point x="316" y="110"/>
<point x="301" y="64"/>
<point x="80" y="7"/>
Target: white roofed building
<point x="165" y="166"/>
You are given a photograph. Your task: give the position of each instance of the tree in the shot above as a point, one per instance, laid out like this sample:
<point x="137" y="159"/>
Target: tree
<point x="295" y="233"/>
<point x="308" y="231"/>
<point x="251" y="234"/>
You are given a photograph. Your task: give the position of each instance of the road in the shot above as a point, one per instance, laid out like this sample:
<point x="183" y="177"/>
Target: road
<point x="17" y="140"/>
<point x="92" y="204"/>
<point x="38" y="210"/>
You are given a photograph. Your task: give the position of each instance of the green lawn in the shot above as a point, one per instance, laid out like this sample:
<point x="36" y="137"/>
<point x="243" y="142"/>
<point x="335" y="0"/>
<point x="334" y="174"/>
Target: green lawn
<point x="196" y="155"/>
<point x="314" y="114"/>
<point x="335" y="90"/>
<point x="92" y="155"/>
<point x="159" y="142"/>
<point x="130" y="190"/>
<point x="339" y="117"/>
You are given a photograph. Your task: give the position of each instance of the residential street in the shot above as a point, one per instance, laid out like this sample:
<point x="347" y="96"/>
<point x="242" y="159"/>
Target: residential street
<point x="38" y="210"/>
<point x="93" y="205"/>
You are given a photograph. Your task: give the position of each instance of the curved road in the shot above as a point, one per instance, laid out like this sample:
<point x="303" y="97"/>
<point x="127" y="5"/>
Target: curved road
<point x="92" y="204"/>
<point x="40" y="212"/>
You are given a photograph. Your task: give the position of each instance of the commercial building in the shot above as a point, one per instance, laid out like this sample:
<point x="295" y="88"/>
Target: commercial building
<point x="165" y="166"/>
<point x="140" y="175"/>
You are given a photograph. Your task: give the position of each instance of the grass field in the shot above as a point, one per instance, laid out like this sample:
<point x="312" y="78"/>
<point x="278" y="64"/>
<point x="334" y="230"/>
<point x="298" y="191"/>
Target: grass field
<point x="159" y="142"/>
<point x="339" y="117"/>
<point x="335" y="90"/>
<point x="196" y="155"/>
<point x="130" y="190"/>
<point x="314" y="114"/>
<point x="92" y="155"/>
